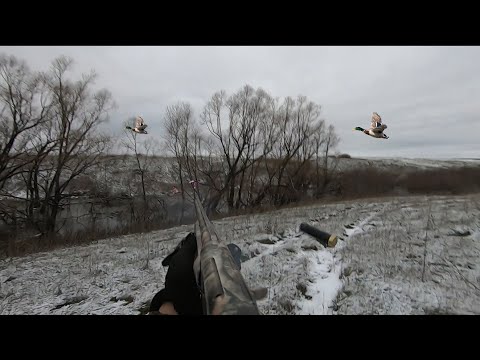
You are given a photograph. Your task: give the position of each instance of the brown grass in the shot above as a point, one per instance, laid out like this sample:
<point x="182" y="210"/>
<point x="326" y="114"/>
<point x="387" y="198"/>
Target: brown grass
<point x="352" y="185"/>
<point x="370" y="181"/>
<point x="25" y="244"/>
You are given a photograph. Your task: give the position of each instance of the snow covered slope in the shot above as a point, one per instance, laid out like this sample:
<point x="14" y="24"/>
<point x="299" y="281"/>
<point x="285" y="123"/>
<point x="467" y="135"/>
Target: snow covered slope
<point x="408" y="255"/>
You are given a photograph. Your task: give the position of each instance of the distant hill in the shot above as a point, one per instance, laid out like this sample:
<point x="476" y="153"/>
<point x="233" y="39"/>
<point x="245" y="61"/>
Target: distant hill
<point x="406" y="164"/>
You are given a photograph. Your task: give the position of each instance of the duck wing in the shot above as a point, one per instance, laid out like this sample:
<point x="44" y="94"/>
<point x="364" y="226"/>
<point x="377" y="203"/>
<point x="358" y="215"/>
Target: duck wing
<point x="376" y="120"/>
<point x="139" y="122"/>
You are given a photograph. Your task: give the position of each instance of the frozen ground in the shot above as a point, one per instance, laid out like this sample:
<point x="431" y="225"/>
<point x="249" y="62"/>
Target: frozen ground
<point x="408" y="255"/>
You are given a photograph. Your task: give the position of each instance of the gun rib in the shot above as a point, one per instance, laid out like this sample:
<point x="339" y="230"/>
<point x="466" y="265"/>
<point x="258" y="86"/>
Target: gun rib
<point x="224" y="289"/>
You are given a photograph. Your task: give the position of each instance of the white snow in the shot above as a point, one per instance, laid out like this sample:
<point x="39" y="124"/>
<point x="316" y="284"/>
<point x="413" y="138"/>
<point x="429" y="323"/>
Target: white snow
<point x="325" y="271"/>
<point x="377" y="266"/>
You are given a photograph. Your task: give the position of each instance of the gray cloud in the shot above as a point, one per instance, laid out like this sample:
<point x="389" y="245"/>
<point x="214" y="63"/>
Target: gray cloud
<point x="428" y="96"/>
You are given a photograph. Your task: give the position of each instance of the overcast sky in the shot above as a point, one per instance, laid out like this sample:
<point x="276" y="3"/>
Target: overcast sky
<point x="429" y="97"/>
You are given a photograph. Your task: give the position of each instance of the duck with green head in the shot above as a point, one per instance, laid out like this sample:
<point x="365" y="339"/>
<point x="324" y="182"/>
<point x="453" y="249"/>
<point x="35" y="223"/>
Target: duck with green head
<point x="376" y="128"/>
<point x="139" y="126"/>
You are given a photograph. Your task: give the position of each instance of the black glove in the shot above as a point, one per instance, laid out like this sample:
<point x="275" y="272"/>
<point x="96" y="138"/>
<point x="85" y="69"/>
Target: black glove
<point x="180" y="285"/>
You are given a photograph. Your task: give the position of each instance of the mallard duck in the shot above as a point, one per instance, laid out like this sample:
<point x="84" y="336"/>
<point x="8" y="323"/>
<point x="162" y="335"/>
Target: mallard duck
<point x="139" y="126"/>
<point x="376" y="128"/>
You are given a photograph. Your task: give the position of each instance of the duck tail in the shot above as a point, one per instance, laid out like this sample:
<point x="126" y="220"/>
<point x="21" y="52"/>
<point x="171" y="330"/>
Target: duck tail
<point x="128" y="127"/>
<point x="358" y="128"/>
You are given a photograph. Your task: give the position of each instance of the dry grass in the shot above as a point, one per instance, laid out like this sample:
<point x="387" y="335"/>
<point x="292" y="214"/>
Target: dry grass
<point x="370" y="181"/>
<point x="409" y="263"/>
<point x="25" y="243"/>
<point x="366" y="183"/>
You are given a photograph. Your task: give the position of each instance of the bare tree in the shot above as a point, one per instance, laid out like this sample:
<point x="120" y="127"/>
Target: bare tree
<point x="24" y="105"/>
<point x="324" y="147"/>
<point x="265" y="149"/>
<point x="144" y="150"/>
<point x="42" y="144"/>
<point x="233" y="123"/>
<point x="180" y="133"/>
<point x="298" y="169"/>
<point x="24" y="110"/>
<point x="132" y="144"/>
<point x="261" y="175"/>
<point x="76" y="116"/>
<point x="290" y="137"/>
<point x="252" y="112"/>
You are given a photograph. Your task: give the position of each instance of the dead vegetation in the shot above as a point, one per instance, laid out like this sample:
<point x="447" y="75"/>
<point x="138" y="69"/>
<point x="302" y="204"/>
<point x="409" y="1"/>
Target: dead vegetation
<point x="410" y="263"/>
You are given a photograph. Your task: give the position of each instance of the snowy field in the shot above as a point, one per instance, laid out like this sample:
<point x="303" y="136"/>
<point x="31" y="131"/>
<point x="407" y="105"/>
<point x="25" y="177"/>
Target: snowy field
<point x="405" y="255"/>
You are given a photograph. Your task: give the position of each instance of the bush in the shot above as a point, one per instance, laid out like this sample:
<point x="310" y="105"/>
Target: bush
<point x="371" y="182"/>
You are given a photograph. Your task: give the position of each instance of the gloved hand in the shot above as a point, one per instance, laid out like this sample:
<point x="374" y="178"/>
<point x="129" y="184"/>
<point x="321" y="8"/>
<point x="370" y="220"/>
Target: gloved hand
<point x="180" y="285"/>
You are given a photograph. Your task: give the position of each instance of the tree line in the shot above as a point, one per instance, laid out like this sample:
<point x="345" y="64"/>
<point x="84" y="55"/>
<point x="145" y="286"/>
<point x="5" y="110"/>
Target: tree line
<point x="247" y="149"/>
